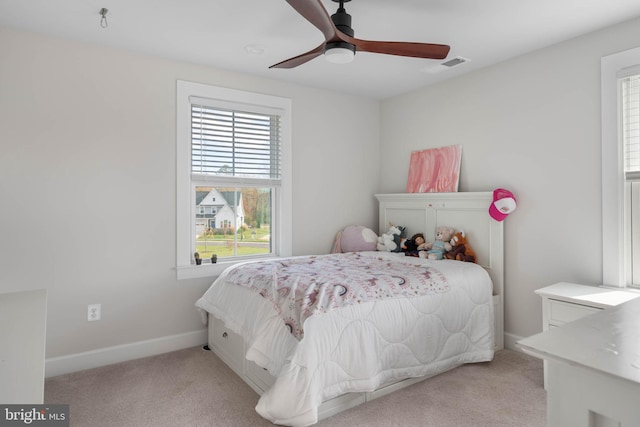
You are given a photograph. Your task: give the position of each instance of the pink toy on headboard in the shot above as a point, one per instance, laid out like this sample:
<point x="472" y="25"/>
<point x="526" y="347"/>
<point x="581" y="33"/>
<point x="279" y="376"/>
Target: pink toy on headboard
<point x="355" y="238"/>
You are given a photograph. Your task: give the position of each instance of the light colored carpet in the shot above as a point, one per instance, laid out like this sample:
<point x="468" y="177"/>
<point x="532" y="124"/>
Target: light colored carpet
<point x="193" y="387"/>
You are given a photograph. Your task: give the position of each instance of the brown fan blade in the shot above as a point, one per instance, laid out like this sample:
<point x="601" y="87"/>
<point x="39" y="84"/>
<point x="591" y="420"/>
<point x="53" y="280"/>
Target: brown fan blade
<point x="300" y="59"/>
<point x="414" y="50"/>
<point x="314" y="12"/>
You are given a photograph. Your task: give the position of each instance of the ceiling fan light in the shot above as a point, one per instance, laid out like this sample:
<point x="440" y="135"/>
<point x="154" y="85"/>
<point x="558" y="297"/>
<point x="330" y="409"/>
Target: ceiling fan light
<point x="339" y="52"/>
<point x="339" y="55"/>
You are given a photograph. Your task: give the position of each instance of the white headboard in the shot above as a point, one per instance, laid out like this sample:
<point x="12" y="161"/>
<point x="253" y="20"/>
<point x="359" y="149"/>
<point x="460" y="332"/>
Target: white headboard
<point x="423" y="212"/>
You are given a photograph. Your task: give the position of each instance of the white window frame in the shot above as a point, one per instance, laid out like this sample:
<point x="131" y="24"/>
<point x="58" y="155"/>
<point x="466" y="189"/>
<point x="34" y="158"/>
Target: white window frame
<point x="282" y="213"/>
<point x="616" y="248"/>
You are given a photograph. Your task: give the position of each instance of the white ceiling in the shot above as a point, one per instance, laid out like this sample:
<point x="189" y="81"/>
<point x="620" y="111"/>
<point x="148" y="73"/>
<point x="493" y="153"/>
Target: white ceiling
<point x="231" y="34"/>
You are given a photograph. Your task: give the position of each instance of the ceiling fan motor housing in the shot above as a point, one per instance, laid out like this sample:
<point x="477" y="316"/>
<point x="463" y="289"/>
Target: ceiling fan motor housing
<point x="342" y="21"/>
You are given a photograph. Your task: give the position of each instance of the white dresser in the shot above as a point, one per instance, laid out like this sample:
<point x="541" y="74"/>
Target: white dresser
<point x="23" y="318"/>
<point x="593" y="367"/>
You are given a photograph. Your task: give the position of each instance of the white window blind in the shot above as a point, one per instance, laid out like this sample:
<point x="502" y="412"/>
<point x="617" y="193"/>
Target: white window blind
<point x="631" y="126"/>
<point x="235" y="143"/>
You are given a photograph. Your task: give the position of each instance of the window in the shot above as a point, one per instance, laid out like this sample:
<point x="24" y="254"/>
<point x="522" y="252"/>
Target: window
<point x="621" y="168"/>
<point x="630" y="139"/>
<point x="233" y="177"/>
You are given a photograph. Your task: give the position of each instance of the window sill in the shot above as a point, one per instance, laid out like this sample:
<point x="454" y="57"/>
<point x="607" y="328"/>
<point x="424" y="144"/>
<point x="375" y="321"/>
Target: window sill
<point x="210" y="270"/>
<point x="204" y="270"/>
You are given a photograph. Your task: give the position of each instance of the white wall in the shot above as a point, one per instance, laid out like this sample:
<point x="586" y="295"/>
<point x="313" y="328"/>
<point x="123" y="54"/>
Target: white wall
<point x="87" y="184"/>
<point x="87" y="139"/>
<point x="531" y="124"/>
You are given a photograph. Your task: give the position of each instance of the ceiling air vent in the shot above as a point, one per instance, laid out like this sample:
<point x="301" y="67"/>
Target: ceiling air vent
<point x="446" y="65"/>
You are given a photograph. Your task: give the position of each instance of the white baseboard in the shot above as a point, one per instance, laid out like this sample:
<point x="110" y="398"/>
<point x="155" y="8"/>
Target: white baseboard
<point x="106" y="356"/>
<point x="510" y="341"/>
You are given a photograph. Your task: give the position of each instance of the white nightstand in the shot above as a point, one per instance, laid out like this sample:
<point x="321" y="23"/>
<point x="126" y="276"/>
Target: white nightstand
<point x="565" y="302"/>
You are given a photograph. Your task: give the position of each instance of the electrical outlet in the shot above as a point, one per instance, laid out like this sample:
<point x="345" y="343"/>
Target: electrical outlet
<point x="93" y="312"/>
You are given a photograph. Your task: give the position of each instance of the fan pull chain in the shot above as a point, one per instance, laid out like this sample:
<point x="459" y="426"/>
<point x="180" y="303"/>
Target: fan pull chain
<point x="103" y="20"/>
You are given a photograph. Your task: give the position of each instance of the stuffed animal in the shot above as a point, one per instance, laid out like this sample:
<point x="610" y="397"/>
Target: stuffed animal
<point x="390" y="241"/>
<point x="461" y="250"/>
<point x="412" y="246"/>
<point x="441" y="245"/>
<point x="355" y="238"/>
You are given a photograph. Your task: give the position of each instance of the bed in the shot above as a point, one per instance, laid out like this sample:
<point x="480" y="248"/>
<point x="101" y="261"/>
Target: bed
<point x="408" y="318"/>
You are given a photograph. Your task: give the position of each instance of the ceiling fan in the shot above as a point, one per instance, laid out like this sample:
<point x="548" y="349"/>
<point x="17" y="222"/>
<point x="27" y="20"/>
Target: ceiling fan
<point x="340" y="46"/>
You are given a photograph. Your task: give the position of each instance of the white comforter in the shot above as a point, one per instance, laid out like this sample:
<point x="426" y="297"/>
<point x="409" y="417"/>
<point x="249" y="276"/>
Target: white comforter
<point x="360" y="347"/>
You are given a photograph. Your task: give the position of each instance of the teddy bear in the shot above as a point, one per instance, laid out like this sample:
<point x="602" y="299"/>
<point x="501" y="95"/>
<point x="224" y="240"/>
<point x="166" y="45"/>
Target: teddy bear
<point x="461" y="250"/>
<point x="412" y="246"/>
<point x="441" y="244"/>
<point x="390" y="241"/>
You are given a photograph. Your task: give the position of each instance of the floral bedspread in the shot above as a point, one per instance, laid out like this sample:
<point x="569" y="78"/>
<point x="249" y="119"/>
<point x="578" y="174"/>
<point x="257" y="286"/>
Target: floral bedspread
<point x="301" y="287"/>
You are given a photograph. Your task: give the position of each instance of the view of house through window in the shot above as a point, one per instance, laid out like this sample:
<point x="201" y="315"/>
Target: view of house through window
<point x="232" y="221"/>
<point x="235" y="169"/>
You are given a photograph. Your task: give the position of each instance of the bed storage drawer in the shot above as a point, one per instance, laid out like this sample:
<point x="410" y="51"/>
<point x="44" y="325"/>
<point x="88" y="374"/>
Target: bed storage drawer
<point x="260" y="376"/>
<point x="227" y="345"/>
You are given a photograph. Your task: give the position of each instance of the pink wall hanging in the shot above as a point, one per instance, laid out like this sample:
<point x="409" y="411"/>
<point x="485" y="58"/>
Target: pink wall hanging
<point x="435" y="170"/>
